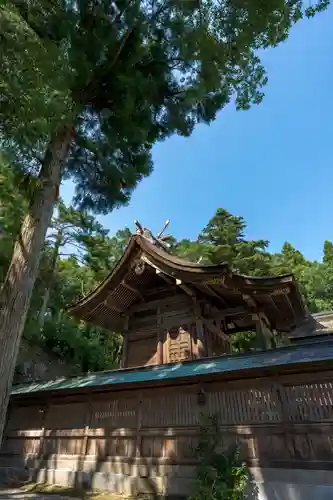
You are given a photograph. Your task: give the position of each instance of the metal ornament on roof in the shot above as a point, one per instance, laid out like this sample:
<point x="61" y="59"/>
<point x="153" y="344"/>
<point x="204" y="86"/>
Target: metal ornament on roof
<point x="159" y="240"/>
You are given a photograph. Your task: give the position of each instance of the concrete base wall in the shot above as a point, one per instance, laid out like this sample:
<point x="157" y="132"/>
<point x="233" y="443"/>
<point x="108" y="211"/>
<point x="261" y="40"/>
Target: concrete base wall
<point x="169" y="480"/>
<point x="293" y="484"/>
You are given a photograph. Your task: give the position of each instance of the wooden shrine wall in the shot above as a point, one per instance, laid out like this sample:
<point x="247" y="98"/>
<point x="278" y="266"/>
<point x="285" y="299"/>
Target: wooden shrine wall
<point x="166" y="334"/>
<point x="282" y="422"/>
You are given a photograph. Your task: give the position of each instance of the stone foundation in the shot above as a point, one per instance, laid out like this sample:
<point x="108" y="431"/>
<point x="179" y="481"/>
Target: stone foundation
<point x="164" y="480"/>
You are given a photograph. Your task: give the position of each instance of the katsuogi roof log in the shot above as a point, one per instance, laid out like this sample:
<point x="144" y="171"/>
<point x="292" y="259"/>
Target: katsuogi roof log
<point x="147" y="272"/>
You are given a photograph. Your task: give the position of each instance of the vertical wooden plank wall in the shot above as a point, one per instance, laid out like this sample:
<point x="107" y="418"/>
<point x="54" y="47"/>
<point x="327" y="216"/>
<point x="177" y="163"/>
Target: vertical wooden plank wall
<point x="283" y="422"/>
<point x="171" y="332"/>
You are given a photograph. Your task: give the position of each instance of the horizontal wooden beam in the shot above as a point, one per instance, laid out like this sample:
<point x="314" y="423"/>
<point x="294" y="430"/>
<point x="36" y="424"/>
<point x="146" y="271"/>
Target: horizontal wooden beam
<point x="231" y="311"/>
<point x="215" y="329"/>
<point x="154" y="304"/>
<point x="165" y="277"/>
<point x="217" y="296"/>
<point x="187" y="289"/>
<point x="170" y="280"/>
<point x="250" y="301"/>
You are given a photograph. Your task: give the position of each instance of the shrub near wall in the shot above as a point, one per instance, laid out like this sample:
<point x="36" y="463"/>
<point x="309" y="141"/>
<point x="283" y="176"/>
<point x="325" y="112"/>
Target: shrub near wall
<point x="221" y="475"/>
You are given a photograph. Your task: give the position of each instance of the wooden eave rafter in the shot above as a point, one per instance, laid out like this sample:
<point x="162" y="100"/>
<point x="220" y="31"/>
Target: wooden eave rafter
<point x="192" y="278"/>
<point x="111" y="305"/>
<point x="132" y="289"/>
<point x="208" y="289"/>
<point x="250" y="301"/>
<point x="214" y="328"/>
<point x="273" y="304"/>
<point x="170" y="280"/>
<point x="290" y="306"/>
<point x="231" y="312"/>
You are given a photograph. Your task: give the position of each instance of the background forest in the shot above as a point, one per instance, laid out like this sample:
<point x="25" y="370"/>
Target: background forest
<point x="79" y="253"/>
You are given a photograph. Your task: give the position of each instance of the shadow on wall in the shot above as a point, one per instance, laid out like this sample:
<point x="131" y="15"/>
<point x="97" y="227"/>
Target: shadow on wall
<point x="106" y="473"/>
<point x="103" y="458"/>
<point x="142" y="441"/>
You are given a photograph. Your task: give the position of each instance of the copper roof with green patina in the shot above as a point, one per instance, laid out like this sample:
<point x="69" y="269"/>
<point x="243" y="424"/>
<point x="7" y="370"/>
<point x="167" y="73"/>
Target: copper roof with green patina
<point x="284" y="356"/>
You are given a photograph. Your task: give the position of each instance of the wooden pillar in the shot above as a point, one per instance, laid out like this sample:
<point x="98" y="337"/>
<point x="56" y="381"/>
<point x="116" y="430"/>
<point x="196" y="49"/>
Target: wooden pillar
<point x="264" y="334"/>
<point x="123" y="363"/>
<point x="280" y="338"/>
<point x="89" y="415"/>
<point x="209" y="341"/>
<point x="45" y="410"/>
<point x="138" y="443"/>
<point x="160" y="336"/>
<point x="200" y="344"/>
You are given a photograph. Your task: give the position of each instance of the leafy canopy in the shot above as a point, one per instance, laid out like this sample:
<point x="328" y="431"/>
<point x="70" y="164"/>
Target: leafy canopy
<point x="124" y="74"/>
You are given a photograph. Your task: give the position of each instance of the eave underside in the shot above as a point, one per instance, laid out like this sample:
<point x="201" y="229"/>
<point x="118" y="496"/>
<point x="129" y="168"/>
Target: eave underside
<point x="233" y="297"/>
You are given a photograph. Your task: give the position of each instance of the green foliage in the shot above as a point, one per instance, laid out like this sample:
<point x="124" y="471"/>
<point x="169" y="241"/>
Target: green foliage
<point x="124" y="75"/>
<point x="102" y="252"/>
<point x="221" y="474"/>
<point x="34" y="79"/>
<point x="71" y="267"/>
<point x="243" y="341"/>
<point x="224" y="234"/>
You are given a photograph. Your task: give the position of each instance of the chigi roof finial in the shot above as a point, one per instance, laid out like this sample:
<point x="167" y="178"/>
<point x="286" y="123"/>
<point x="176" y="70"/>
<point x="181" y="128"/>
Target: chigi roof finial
<point x="158" y="240"/>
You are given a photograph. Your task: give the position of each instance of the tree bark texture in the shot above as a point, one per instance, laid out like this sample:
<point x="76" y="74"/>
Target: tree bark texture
<point x="49" y="281"/>
<point x="15" y="294"/>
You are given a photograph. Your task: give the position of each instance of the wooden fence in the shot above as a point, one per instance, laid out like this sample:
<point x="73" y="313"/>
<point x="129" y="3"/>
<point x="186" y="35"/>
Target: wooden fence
<point x="284" y="421"/>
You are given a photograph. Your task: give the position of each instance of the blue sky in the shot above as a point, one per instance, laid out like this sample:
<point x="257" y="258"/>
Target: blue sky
<point x="271" y="164"/>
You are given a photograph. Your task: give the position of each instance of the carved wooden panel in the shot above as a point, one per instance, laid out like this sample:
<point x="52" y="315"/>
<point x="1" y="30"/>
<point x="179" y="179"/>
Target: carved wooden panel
<point x="179" y="346"/>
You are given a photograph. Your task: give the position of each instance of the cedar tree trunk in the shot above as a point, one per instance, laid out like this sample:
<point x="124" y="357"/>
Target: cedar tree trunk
<point x="15" y="294"/>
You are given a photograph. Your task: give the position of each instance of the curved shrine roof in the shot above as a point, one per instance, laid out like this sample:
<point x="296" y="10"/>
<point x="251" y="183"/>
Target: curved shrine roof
<point x="145" y="270"/>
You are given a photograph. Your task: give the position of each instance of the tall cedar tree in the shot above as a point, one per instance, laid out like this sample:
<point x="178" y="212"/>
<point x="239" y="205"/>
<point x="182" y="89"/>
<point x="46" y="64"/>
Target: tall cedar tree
<point x="123" y="74"/>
